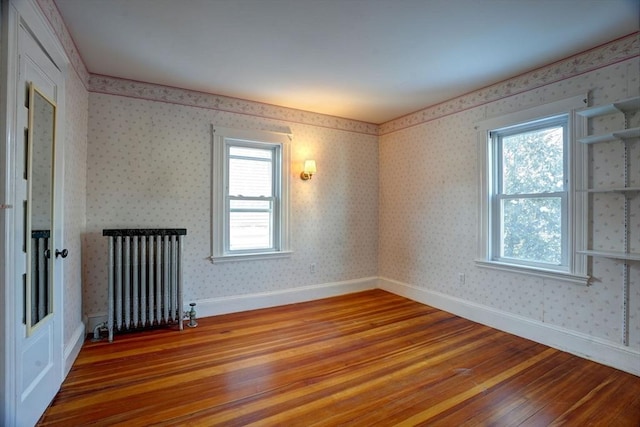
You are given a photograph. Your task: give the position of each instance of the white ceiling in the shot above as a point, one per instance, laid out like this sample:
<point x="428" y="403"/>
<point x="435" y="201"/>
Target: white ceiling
<point x="369" y="60"/>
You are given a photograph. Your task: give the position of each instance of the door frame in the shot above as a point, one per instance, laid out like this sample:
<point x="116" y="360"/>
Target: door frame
<point x="13" y="15"/>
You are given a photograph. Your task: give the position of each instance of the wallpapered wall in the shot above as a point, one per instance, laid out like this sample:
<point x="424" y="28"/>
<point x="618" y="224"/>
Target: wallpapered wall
<point x="428" y="213"/>
<point x="149" y="165"/>
<point x="75" y="188"/>
<point x="408" y="215"/>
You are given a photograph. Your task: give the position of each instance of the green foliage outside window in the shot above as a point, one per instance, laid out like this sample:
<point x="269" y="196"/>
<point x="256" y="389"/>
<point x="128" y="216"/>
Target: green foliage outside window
<point x="532" y="180"/>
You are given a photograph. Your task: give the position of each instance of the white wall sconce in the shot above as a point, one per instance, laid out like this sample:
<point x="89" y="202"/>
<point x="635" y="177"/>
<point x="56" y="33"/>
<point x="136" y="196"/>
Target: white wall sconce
<point x="309" y="169"/>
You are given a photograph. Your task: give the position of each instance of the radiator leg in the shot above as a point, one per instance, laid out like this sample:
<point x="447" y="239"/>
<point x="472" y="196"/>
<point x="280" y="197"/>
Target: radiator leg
<point x="192" y="316"/>
<point x="96" y="331"/>
<point x="110" y="319"/>
<point x="180" y="307"/>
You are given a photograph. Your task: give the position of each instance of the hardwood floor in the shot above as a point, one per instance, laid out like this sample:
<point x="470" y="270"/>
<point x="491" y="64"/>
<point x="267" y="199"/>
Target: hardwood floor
<point x="363" y="359"/>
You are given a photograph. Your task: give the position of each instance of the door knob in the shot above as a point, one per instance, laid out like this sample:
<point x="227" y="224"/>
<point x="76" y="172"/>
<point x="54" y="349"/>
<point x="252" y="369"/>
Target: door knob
<point x="63" y="253"/>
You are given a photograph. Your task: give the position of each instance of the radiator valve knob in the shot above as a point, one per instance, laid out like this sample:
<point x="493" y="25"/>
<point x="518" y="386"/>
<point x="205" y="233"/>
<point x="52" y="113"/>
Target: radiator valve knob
<point x="192" y="316"/>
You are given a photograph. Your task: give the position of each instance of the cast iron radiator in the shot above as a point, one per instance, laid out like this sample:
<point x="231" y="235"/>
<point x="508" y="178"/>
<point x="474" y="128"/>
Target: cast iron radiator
<point x="145" y="278"/>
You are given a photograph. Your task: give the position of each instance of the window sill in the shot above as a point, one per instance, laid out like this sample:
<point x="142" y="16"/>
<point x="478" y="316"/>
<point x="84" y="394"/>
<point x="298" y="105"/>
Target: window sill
<point x="562" y="276"/>
<point x="219" y="259"/>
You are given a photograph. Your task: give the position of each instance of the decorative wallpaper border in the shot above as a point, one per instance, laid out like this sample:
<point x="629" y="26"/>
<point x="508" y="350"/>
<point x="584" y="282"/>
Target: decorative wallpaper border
<point x="624" y="48"/>
<point x="598" y="57"/>
<point x="52" y="14"/>
<point x="155" y="92"/>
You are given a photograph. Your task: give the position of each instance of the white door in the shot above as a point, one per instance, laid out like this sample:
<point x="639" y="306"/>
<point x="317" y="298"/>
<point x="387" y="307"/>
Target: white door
<point x="38" y="219"/>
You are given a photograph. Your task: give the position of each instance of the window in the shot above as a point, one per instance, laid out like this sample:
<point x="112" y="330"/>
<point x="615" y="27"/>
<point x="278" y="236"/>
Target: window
<point x="529" y="193"/>
<point x="250" y="194"/>
<point x="531" y="218"/>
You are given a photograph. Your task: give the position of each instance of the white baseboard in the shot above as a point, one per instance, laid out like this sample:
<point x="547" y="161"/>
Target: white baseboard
<point x="582" y="345"/>
<point x="586" y="346"/>
<point x="72" y="348"/>
<point x="94" y="319"/>
<point x="233" y="304"/>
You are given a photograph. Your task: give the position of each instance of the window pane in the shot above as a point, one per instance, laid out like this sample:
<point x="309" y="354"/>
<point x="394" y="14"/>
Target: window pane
<point x="253" y="205"/>
<point x="249" y="230"/>
<point x="532" y="162"/>
<point x="259" y="153"/>
<point x="532" y="229"/>
<point x="250" y="178"/>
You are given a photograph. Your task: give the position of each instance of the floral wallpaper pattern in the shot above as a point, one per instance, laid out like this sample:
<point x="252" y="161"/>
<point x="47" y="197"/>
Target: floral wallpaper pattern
<point x="115" y="86"/>
<point x="428" y="214"/>
<point x="75" y="193"/>
<point x="410" y="215"/>
<point x="611" y="53"/>
<point x="51" y="13"/>
<point x="149" y="165"/>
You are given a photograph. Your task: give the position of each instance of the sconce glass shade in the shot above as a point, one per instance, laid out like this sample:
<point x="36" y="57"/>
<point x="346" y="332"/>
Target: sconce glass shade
<point x="309" y="169"/>
<point x="310" y="166"/>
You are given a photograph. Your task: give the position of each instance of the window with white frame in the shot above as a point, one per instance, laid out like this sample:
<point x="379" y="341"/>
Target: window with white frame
<point x="529" y="193"/>
<point x="531" y="217"/>
<point x="250" y="194"/>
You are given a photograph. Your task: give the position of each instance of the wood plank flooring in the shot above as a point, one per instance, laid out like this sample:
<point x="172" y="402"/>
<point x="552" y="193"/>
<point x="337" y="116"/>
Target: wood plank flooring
<point x="365" y="359"/>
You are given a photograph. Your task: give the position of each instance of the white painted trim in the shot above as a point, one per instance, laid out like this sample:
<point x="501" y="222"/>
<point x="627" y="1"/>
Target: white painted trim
<point x="582" y="345"/>
<point x="233" y="304"/>
<point x="94" y="319"/>
<point x="534" y="113"/>
<point x="250" y="257"/>
<point x="238" y="303"/>
<point x="219" y="166"/>
<point x="72" y="348"/>
<point x="8" y="124"/>
<point x="576" y="220"/>
<point x="562" y="276"/>
<point x="17" y="13"/>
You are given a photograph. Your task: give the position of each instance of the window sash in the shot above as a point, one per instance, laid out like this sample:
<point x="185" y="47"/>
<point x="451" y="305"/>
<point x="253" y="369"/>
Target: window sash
<point x="497" y="227"/>
<point x="235" y="247"/>
<point x="268" y="160"/>
<point x="498" y="233"/>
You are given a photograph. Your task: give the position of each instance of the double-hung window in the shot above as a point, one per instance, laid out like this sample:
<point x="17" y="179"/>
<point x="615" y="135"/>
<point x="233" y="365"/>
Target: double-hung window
<point x="529" y="193"/>
<point x="250" y="194"/>
<point x="531" y="218"/>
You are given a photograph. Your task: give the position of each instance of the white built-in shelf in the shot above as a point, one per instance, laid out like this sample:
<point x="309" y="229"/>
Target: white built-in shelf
<point x="626" y="135"/>
<point x="619" y="135"/>
<point x="616" y="107"/>
<point x="612" y="190"/>
<point x="625" y="256"/>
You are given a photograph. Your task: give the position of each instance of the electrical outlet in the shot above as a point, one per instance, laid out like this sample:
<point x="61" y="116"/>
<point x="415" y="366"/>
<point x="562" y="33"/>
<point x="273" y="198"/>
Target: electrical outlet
<point x="312" y="268"/>
<point x="461" y="279"/>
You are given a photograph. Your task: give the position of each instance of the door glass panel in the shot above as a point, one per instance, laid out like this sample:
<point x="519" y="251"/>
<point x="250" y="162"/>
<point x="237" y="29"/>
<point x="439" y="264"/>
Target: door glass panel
<point x="42" y="113"/>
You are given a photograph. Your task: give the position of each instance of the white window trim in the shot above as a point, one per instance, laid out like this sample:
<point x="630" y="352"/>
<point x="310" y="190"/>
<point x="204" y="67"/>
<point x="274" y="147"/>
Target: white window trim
<point x="218" y="168"/>
<point x="577" y="174"/>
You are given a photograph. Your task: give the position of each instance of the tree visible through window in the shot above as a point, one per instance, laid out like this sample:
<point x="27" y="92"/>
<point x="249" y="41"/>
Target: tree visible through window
<point x="529" y="200"/>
